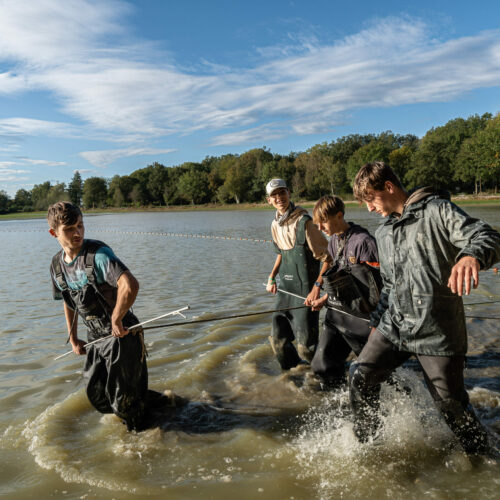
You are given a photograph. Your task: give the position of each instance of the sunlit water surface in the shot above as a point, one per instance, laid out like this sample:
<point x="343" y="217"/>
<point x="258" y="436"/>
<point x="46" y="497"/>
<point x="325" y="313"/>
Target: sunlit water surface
<point x="245" y="429"/>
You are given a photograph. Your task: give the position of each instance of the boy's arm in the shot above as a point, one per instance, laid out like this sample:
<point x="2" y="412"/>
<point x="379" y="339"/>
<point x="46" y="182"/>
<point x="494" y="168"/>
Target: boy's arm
<point x="319" y="248"/>
<point x="72" y="324"/>
<point x="271" y="281"/>
<point x="479" y="243"/>
<point x="313" y="295"/>
<point x="128" y="287"/>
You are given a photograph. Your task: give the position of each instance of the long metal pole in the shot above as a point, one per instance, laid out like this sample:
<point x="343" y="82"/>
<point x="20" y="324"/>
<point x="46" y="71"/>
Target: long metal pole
<point x="178" y="311"/>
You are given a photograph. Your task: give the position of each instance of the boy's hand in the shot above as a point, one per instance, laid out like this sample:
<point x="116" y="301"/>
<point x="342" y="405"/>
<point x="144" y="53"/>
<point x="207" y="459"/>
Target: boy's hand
<point x="118" y="330"/>
<point x="78" y="346"/>
<point x="317" y="305"/>
<point x="312" y="296"/>
<point x="462" y="272"/>
<point x="272" y="288"/>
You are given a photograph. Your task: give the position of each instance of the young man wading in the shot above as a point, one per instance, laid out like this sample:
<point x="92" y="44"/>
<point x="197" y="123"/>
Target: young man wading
<point x="429" y="250"/>
<point x="96" y="285"/>
<point x="300" y="246"/>
<point x="352" y="285"/>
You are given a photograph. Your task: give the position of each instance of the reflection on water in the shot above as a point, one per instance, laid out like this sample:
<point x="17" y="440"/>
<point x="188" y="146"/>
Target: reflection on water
<point x="242" y="428"/>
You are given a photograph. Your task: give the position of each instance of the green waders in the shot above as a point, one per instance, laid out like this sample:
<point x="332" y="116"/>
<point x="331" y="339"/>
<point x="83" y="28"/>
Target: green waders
<point x="298" y="272"/>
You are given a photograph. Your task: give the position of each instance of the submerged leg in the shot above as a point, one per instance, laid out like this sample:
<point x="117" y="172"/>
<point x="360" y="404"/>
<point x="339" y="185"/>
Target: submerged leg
<point x="282" y="338"/>
<point x="127" y="380"/>
<point x="444" y="378"/>
<point x="329" y="362"/>
<point x="374" y="365"/>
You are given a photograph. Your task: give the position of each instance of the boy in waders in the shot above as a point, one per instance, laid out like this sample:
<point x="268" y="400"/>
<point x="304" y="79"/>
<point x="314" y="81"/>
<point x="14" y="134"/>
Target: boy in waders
<point x="96" y="285"/>
<point x="429" y="250"/>
<point x="352" y="285"/>
<point x="300" y="247"/>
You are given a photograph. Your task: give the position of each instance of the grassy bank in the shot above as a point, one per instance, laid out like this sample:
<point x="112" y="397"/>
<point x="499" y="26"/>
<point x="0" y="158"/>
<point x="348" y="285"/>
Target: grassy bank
<point x="460" y="200"/>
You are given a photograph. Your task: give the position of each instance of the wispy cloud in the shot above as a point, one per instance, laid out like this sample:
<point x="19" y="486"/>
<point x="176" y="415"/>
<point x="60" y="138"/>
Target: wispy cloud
<point x="116" y="88"/>
<point x="45" y="163"/>
<point x="29" y="126"/>
<point x="104" y="158"/>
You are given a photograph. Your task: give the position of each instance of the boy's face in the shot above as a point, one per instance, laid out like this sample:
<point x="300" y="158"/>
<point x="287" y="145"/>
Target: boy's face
<point x="381" y="202"/>
<point x="334" y="224"/>
<point x="280" y="200"/>
<point x="70" y="236"/>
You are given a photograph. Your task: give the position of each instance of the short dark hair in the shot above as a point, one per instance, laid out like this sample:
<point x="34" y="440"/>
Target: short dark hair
<point x="327" y="205"/>
<point x="373" y="176"/>
<point x="63" y="212"/>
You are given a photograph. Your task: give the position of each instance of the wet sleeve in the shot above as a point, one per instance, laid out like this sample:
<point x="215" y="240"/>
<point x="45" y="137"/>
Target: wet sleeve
<point x="108" y="267"/>
<point x="378" y="312"/>
<point x="383" y="303"/>
<point x="473" y="237"/>
<point x="317" y="242"/>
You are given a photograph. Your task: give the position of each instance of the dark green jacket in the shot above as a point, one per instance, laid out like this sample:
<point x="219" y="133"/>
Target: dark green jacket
<point x="417" y="311"/>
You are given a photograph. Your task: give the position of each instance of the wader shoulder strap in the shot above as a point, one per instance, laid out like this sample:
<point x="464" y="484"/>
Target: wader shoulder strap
<point x="56" y="267"/>
<point x="301" y="230"/>
<point x="91" y="247"/>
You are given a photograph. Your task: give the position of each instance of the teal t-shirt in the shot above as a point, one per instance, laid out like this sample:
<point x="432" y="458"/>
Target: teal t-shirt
<point x="107" y="269"/>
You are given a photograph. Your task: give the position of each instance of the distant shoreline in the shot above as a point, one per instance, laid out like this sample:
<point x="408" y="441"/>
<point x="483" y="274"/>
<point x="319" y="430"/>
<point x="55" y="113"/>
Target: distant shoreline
<point x="468" y="200"/>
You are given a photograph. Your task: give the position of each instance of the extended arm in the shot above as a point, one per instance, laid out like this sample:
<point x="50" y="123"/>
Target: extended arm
<point x="128" y="287"/>
<point x="72" y="324"/>
<point x="313" y="295"/>
<point x="479" y="244"/>
<point x="271" y="282"/>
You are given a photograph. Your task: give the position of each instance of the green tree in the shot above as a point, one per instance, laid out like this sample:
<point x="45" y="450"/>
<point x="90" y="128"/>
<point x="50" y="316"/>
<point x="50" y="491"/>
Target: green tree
<point x="75" y="189"/>
<point x="434" y="161"/>
<point x="56" y="193"/>
<point x="193" y="185"/>
<point x="478" y="161"/>
<point x="378" y="149"/>
<point x="23" y="201"/>
<point x="95" y="192"/>
<point x="158" y="177"/>
<point x="4" y="202"/>
<point x="400" y="160"/>
<point x="238" y="184"/>
<point x="39" y="195"/>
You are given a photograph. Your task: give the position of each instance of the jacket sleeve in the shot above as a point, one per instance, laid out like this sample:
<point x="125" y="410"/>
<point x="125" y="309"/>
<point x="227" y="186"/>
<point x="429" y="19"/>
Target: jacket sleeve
<point x="383" y="302"/>
<point x="472" y="236"/>
<point x="317" y="242"/>
<point x="382" y="306"/>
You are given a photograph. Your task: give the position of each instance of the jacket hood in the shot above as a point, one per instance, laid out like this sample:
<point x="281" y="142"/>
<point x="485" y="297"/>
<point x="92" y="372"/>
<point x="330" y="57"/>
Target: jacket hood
<point x="422" y="193"/>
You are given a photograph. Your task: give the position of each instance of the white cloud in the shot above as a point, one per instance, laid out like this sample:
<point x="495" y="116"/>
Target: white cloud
<point x="45" y="163"/>
<point x="73" y="50"/>
<point x="106" y="157"/>
<point x="30" y="126"/>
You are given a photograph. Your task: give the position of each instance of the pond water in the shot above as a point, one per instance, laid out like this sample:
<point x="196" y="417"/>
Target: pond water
<point x="246" y="430"/>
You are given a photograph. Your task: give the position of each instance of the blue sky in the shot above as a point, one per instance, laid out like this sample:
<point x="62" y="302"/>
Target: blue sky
<point x="107" y="87"/>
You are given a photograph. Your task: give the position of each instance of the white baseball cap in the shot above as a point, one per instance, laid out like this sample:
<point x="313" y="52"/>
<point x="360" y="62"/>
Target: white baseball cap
<point x="275" y="184"/>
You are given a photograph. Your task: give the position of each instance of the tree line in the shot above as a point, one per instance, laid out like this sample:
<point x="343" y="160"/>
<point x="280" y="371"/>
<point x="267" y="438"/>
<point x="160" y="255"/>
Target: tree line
<point x="462" y="156"/>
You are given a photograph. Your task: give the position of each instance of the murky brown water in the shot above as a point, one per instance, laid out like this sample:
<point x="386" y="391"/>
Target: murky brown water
<point x="248" y="431"/>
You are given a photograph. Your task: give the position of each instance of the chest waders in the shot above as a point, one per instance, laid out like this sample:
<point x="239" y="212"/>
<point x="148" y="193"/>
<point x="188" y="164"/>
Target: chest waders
<point x="115" y="371"/>
<point x="353" y="291"/>
<point x="298" y="272"/>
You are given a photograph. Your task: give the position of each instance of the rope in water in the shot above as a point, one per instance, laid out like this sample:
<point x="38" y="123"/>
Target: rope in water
<point x="235" y="316"/>
<point x="154" y="233"/>
<point x="219" y="318"/>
